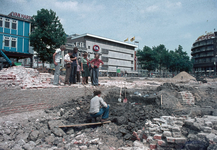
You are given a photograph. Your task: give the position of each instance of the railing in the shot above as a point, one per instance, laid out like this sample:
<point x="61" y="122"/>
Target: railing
<point x="202" y="44"/>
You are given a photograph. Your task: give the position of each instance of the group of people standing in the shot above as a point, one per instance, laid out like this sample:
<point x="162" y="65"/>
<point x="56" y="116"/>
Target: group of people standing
<point x="74" y="67"/>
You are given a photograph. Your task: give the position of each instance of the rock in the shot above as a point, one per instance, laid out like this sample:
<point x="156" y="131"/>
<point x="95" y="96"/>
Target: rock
<point x="127" y="136"/>
<point x="54" y="126"/>
<point x="56" y="141"/>
<point x="207" y="129"/>
<point x="208" y="123"/>
<point x="7" y="131"/>
<point x="70" y="131"/>
<point x="214" y="113"/>
<point x="177" y="134"/>
<point x="34" y="135"/>
<point x="212" y="147"/>
<point x="49" y="139"/>
<point x="103" y="147"/>
<point x="94" y="141"/>
<point x="121" y="120"/>
<point x="27" y="147"/>
<point x="138" y="146"/>
<point x="6" y="137"/>
<point x="195" y="143"/>
<point x="21" y="142"/>
<point x="92" y="147"/>
<point x="150" y="139"/>
<point x="84" y="147"/>
<point x="195" y="126"/>
<point x="23" y="136"/>
<point x="17" y="147"/>
<point x="123" y="131"/>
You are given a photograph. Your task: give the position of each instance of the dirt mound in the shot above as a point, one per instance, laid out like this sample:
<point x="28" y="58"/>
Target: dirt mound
<point x="184" y="76"/>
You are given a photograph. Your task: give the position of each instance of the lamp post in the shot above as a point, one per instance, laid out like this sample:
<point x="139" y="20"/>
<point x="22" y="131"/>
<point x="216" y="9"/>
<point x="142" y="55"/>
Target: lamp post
<point x="116" y="71"/>
<point x="215" y="64"/>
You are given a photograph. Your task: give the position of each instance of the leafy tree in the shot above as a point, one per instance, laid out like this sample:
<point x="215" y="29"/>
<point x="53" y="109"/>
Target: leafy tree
<point x="184" y="63"/>
<point x="47" y="34"/>
<point x="147" y="58"/>
<point x="159" y="57"/>
<point x="160" y="52"/>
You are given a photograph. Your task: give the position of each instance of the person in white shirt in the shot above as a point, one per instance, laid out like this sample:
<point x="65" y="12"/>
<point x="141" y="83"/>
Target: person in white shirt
<point x="56" y="59"/>
<point x="67" y="66"/>
<point x="95" y="110"/>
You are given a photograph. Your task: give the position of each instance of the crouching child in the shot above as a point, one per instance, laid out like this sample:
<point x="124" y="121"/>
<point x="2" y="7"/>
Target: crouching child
<point x="95" y="110"/>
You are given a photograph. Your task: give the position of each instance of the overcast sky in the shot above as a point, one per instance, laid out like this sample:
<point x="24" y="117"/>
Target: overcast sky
<point x="152" y="22"/>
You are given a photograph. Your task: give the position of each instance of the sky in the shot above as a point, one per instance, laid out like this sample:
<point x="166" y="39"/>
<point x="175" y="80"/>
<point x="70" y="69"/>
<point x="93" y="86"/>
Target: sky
<point x="152" y="22"/>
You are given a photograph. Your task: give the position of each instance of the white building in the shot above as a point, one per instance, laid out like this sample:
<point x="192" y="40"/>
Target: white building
<point x="115" y="54"/>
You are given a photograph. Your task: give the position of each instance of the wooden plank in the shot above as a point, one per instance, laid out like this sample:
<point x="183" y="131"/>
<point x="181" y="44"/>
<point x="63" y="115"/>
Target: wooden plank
<point x="86" y="124"/>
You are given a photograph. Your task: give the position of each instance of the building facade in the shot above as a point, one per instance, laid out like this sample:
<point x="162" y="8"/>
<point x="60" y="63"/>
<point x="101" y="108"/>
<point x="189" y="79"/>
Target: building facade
<point x="15" y="29"/>
<point x="204" y="54"/>
<point x="114" y="54"/>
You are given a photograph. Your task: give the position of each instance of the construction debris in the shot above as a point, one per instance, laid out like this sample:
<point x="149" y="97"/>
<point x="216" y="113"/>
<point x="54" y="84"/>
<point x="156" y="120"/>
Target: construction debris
<point x="157" y="115"/>
<point x="25" y="78"/>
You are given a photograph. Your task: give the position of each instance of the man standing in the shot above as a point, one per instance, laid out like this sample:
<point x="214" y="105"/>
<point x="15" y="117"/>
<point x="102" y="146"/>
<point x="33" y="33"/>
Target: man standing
<point x="73" y="66"/>
<point x="95" y="110"/>
<point x="95" y="69"/>
<point x="67" y="66"/>
<point x="56" y="59"/>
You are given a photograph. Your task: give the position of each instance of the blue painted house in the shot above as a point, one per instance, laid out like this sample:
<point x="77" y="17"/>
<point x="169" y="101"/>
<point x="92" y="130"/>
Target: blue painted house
<point x="15" y="29"/>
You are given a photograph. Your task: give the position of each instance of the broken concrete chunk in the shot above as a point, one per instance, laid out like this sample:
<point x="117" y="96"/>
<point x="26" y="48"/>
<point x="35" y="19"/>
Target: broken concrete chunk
<point x="167" y="134"/>
<point x="34" y="135"/>
<point x="177" y="134"/>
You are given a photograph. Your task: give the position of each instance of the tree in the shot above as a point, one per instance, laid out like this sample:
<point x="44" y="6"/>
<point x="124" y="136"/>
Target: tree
<point x="184" y="63"/>
<point x="159" y="57"/>
<point x="160" y="52"/>
<point x="147" y="58"/>
<point x="47" y="34"/>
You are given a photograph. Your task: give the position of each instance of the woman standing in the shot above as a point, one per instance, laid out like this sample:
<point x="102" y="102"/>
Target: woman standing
<point x="85" y="68"/>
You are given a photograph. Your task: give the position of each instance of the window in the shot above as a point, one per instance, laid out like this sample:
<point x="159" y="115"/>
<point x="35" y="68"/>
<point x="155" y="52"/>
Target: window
<point x="1" y="21"/>
<point x="131" y="55"/>
<point x="88" y="47"/>
<point x="131" y="62"/>
<point x="14" y="24"/>
<point x="6" y="41"/>
<point x="105" y="51"/>
<point x="7" y="23"/>
<point x="104" y="59"/>
<point x="14" y="42"/>
<point x="81" y="44"/>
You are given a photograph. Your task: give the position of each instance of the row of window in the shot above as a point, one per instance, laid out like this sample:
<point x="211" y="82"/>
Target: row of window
<point x="8" y="23"/>
<point x="203" y="69"/>
<point x="205" y="60"/>
<point x="10" y="42"/>
<point x="203" y="43"/>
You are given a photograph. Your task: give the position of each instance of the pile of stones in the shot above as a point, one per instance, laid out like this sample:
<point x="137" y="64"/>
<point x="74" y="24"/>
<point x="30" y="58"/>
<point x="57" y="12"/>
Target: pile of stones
<point x="25" y="78"/>
<point x="169" y="132"/>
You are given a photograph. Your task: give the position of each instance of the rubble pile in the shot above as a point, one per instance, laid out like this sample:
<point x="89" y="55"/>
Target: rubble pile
<point x="133" y="127"/>
<point x="21" y="77"/>
<point x="143" y="123"/>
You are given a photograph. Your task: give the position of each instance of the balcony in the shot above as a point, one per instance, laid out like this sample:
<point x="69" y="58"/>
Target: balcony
<point x="202" y="50"/>
<point x="202" y="44"/>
